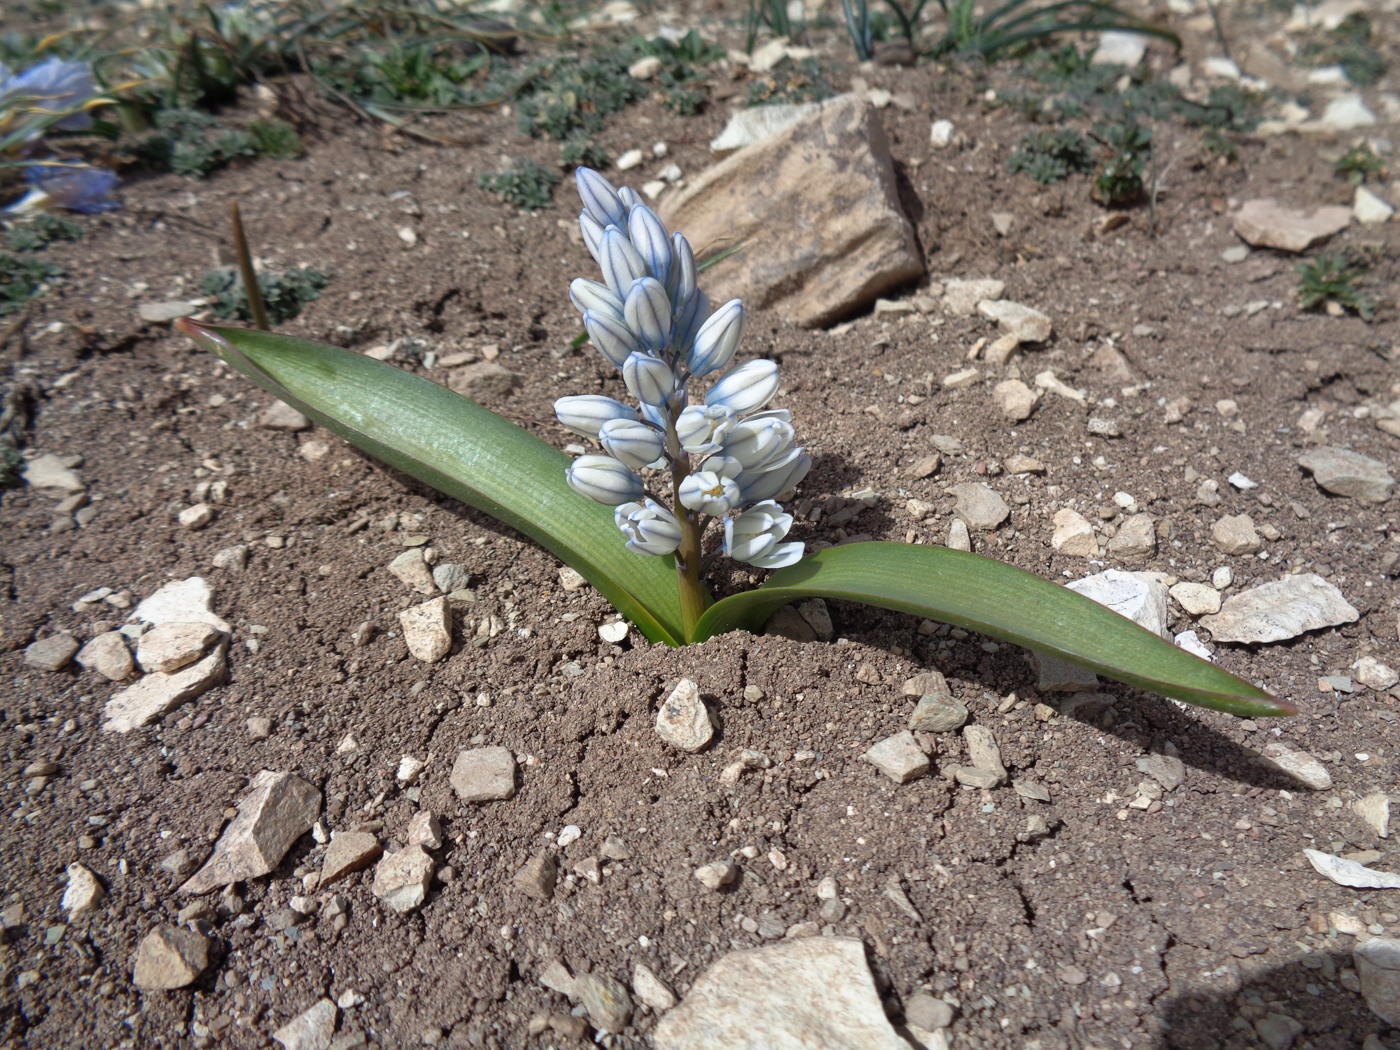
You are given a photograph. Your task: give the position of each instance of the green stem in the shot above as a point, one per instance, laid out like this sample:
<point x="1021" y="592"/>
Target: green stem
<point x="246" y="271"/>
<point x="689" y="557"/>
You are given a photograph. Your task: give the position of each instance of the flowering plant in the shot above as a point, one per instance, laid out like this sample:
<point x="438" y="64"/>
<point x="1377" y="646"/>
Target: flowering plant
<point x="726" y="459"/>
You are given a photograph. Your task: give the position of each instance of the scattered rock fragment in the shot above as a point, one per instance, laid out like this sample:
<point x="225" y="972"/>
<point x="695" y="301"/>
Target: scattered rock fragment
<point x="1074" y="536"/>
<point x="156" y="694"/>
<point x="484" y="774"/>
<point x="1370" y="672"/>
<point x="84" y="893"/>
<point x="181" y="601"/>
<point x="983" y="750"/>
<point x="1285" y="608"/>
<point x="830" y="216"/>
<point x="806" y="992"/>
<point x="108" y="655"/>
<point x="411" y="570"/>
<point x="1015" y="400"/>
<point x="170" y="646"/>
<point x="651" y="989"/>
<point x="899" y="757"/>
<point x="1136" y="538"/>
<point x="281" y="416"/>
<point x="938" y="713"/>
<point x="607" y="1001"/>
<point x="960" y="296"/>
<point x="1266" y="224"/>
<point x="538" y="877"/>
<point x="683" y="720"/>
<point x="1378" y="966"/>
<point x="170" y="957"/>
<point x="427" y="629"/>
<point x="51" y="474"/>
<point x="756" y="123"/>
<point x="452" y="578"/>
<point x="424" y="829"/>
<point x="312" y="1029"/>
<point x="1140" y="596"/>
<point x="717" y="874"/>
<point x="485" y="382"/>
<point x="401" y="879"/>
<point x="1196" y="599"/>
<point x="1374" y="809"/>
<point x="275" y="811"/>
<point x="1369" y="209"/>
<point x="348" y="852"/>
<point x="1351" y="874"/>
<point x="1026" y="323"/>
<point x="1167" y="770"/>
<point x="52" y="653"/>
<point x="1299" y="765"/>
<point x="1235" y="534"/>
<point x="979" y="506"/>
<point x="1345" y="473"/>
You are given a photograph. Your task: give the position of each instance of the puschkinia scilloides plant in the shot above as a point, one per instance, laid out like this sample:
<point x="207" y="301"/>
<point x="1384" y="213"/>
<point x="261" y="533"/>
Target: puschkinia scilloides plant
<point x="725" y="458"/>
<point x="698" y="447"/>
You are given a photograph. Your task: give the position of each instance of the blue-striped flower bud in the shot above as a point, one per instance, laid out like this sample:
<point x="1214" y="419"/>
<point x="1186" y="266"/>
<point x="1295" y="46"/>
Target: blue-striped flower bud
<point x="590" y="295"/>
<point x="648" y="235"/>
<point x="779" y="483"/>
<point x="709" y="492"/>
<point x="628" y="196"/>
<point x="633" y="443"/>
<point x="586" y="413"/>
<point x="714" y="344"/>
<point x="689" y="316"/>
<point x="620" y="262"/>
<point x="754" y="537"/>
<point x="701" y="429"/>
<point x="761" y="442"/>
<point x="599" y="198"/>
<point x="649" y="527"/>
<point x="649" y="379"/>
<point x="604" y="480"/>
<point x="647" y="311"/>
<point x="592" y="232"/>
<point x="611" y="336"/>
<point x="747" y="388"/>
<point x="682" y="282"/>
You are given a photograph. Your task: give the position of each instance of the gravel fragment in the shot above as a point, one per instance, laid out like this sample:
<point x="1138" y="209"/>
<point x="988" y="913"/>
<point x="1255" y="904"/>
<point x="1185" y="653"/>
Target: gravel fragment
<point x="1298" y="764"/>
<point x="979" y="506"/>
<point x="401" y="879"/>
<point x="1235" y="534"/>
<point x="1196" y="599"/>
<point x="84" y="893"/>
<point x="157" y="694"/>
<point x="899" y="757"/>
<point x="1350" y="873"/>
<point x="52" y="653"/>
<point x="411" y="570"/>
<point x="484" y="774"/>
<point x="281" y="416"/>
<point x="170" y="957"/>
<point x="1136" y="538"/>
<point x="348" y="852"/>
<point x="717" y="874"/>
<point x="1370" y="672"/>
<point x="1286" y="608"/>
<point x="1167" y="770"/>
<point x="938" y="713"/>
<point x="170" y="646"/>
<point x="683" y="720"/>
<point x="651" y="989"/>
<point x="538" y="877"/>
<point x="983" y="750"/>
<point x="275" y="811"/>
<point x="312" y="1029"/>
<point x="1374" y="809"/>
<point x="1343" y="472"/>
<point x="1073" y="535"/>
<point x="427" y="629"/>
<point x="1378" y="966"/>
<point x="607" y="1001"/>
<point x="108" y="655"/>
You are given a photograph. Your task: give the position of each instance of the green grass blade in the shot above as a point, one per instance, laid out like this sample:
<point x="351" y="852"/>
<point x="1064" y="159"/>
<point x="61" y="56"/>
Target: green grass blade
<point x="999" y="600"/>
<point x="463" y="450"/>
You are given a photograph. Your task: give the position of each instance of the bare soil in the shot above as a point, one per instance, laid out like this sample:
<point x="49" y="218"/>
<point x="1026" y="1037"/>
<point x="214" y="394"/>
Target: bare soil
<point x="1178" y="925"/>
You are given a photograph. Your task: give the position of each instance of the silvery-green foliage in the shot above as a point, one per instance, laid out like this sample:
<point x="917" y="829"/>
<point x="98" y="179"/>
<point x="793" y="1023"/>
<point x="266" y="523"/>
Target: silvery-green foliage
<point x="725" y="457"/>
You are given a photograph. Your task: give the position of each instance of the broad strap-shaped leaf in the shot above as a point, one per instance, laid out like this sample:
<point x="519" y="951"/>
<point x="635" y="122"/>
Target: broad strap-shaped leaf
<point x="463" y="450"/>
<point x="999" y="600"/>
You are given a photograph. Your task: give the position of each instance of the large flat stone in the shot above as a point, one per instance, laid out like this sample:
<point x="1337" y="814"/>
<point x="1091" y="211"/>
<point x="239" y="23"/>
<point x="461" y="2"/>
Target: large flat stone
<point x="815" y="213"/>
<point x="1283" y="609"/>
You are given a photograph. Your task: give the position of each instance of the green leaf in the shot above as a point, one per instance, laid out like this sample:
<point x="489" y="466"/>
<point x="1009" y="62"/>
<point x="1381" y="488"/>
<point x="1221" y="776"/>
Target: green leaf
<point x="461" y="449"/>
<point x="999" y="600"/>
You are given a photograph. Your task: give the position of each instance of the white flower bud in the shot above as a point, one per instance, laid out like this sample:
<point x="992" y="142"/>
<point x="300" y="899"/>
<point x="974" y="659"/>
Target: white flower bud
<point x="754" y="537"/>
<point x="600" y="200"/>
<point x="648" y="235"/>
<point x="633" y="443"/>
<point x="649" y="379"/>
<point x="649" y="527"/>
<point x="647" y="312"/>
<point x="747" y="388"/>
<point x="611" y="336"/>
<point x="620" y="262"/>
<point x="586" y="413"/>
<point x="778" y="483"/>
<point x="714" y="344"/>
<point x="590" y="295"/>
<point x="604" y="480"/>
<point x="701" y="428"/>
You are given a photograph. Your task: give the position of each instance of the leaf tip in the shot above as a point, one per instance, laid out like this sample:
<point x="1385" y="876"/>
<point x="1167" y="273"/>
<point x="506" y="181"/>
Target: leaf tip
<point x="205" y="337"/>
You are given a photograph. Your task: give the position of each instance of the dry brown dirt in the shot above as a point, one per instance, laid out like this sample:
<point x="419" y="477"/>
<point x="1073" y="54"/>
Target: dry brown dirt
<point x="1179" y="925"/>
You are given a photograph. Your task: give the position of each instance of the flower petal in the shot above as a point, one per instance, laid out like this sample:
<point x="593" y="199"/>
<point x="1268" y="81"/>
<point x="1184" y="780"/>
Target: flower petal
<point x="604" y="480"/>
